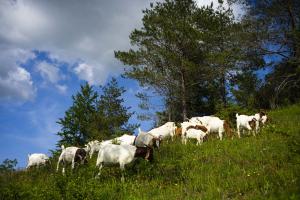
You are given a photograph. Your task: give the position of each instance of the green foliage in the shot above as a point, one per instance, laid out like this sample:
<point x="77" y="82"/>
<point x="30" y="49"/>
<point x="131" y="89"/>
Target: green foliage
<point x="228" y="113"/>
<point x="245" y="89"/>
<point x="263" y="167"/>
<point x="188" y="55"/>
<point x="277" y="28"/>
<point x="8" y="165"/>
<point x="111" y="112"/>
<point x="95" y="117"/>
<point x="76" y="123"/>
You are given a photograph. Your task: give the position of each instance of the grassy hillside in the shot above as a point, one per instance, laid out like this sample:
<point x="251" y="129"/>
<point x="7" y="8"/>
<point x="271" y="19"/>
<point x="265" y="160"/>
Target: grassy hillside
<point x="263" y="167"/>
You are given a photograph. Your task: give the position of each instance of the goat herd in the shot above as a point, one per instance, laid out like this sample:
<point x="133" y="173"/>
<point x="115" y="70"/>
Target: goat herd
<point x="123" y="150"/>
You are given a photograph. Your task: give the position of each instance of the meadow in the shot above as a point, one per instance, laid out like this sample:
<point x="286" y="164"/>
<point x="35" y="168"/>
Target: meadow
<point x="263" y="167"/>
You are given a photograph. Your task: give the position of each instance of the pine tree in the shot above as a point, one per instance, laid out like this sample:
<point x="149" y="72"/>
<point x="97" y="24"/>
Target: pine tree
<point x="76" y="124"/>
<point x="112" y="113"/>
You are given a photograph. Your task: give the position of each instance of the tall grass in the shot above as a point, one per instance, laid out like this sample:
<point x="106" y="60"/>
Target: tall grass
<point x="263" y="167"/>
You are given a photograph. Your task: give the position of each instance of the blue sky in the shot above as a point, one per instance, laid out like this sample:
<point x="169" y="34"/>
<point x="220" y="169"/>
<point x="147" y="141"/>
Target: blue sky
<point x="30" y="126"/>
<point x="49" y="48"/>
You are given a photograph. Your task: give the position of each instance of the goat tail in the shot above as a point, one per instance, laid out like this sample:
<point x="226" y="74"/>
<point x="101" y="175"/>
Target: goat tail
<point x="62" y="147"/>
<point x="237" y="114"/>
<point x="140" y="130"/>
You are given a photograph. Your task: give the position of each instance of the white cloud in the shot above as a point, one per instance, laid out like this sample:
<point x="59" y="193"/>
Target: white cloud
<point x="52" y="74"/>
<point x="49" y="72"/>
<point x="90" y="73"/>
<point x="72" y="32"/>
<point x="89" y="32"/>
<point x="17" y="85"/>
<point x="15" y="81"/>
<point x="61" y="88"/>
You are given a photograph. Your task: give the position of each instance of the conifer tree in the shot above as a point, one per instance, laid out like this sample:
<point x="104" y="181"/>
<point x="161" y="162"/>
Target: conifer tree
<point x="78" y="118"/>
<point x="111" y="112"/>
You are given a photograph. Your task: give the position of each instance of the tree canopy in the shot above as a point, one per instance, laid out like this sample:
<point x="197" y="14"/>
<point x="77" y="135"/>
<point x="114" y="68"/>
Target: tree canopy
<point x="94" y="116"/>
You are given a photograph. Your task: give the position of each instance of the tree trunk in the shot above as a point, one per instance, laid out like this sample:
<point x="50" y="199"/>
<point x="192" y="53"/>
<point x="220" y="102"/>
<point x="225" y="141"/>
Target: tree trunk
<point x="183" y="95"/>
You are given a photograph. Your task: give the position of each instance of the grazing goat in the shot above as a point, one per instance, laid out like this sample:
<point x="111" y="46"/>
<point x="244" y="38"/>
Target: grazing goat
<point x="263" y="118"/>
<point x="37" y="159"/>
<point x="144" y="139"/>
<point x="214" y="125"/>
<point x="126" y="139"/>
<point x="165" y="131"/>
<point x="94" y="146"/>
<point x="185" y="125"/>
<point x="245" y="122"/>
<point x="194" y="133"/>
<point x="71" y="155"/>
<point x="122" y="155"/>
<point x="198" y="127"/>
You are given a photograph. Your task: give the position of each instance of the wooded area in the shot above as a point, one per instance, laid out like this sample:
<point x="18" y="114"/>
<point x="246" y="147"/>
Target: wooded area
<point x="202" y="59"/>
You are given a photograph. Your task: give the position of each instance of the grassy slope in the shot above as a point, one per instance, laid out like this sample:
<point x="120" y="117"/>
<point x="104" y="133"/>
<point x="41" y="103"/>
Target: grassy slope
<point x="263" y="167"/>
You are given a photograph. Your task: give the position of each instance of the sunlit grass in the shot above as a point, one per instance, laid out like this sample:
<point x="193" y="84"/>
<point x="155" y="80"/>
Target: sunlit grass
<point x="263" y="167"/>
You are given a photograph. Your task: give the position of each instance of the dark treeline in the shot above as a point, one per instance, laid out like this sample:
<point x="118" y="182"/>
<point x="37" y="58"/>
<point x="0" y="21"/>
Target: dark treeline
<point x="202" y="60"/>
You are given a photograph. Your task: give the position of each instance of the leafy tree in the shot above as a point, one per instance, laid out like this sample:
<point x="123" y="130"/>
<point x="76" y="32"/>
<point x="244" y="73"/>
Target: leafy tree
<point x="76" y="129"/>
<point x="245" y="88"/>
<point x="277" y="25"/>
<point x="165" y="43"/>
<point x="186" y="54"/>
<point x="8" y="165"/>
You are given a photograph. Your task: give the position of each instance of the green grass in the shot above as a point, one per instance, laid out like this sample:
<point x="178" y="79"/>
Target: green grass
<point x="263" y="167"/>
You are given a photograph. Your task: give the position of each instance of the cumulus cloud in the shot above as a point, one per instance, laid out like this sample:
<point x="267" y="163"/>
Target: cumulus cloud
<point x="15" y="81"/>
<point x="72" y="31"/>
<point x="89" y="73"/>
<point x="48" y="71"/>
<point x="17" y="85"/>
<point x="51" y="73"/>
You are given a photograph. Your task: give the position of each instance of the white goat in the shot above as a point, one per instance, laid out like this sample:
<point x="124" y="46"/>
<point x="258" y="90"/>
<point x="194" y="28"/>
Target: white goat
<point x="121" y="154"/>
<point x="245" y="122"/>
<point x="37" y="159"/>
<point x="145" y="139"/>
<point x="185" y="125"/>
<point x="165" y="131"/>
<point x="94" y="146"/>
<point x="71" y="155"/>
<point x="214" y="125"/>
<point x="194" y="133"/>
<point x="126" y="139"/>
